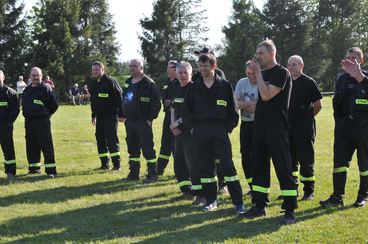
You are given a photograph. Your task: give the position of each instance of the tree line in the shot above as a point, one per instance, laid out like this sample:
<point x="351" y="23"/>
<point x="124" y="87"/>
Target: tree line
<point x="318" y="30"/>
<point x="65" y="36"/>
<point x="62" y="37"/>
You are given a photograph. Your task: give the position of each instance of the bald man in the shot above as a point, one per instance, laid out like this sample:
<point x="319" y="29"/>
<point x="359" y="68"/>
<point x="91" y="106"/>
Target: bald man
<point x="39" y="104"/>
<point x="141" y="105"/>
<point x="305" y="104"/>
<point x="9" y="110"/>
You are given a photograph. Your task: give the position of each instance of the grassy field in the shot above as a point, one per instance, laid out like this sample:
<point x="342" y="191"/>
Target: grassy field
<point x="82" y="205"/>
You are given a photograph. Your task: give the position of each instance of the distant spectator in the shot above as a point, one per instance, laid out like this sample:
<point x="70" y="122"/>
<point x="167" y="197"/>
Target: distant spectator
<point x="75" y="94"/>
<point x="85" y="94"/>
<point x="21" y="85"/>
<point x="46" y="79"/>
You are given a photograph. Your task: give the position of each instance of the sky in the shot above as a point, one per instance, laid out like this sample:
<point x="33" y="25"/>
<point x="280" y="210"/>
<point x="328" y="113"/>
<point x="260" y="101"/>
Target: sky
<point x="126" y="15"/>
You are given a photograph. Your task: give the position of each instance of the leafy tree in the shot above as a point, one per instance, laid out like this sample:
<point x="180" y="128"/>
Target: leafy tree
<point x="14" y="39"/>
<point x="172" y="32"/>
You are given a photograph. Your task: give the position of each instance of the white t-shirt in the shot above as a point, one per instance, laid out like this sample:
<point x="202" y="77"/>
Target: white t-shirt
<point x="21" y="85"/>
<point x="246" y="91"/>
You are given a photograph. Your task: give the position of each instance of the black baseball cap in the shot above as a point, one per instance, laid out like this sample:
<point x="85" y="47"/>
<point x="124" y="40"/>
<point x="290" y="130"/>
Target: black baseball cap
<point x="204" y="50"/>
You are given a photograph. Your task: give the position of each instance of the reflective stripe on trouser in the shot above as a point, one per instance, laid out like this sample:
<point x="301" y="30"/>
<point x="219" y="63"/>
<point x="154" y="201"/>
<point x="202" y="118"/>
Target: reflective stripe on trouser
<point x="39" y="138"/>
<point x="218" y="146"/>
<point x="7" y="145"/>
<point x="10" y="166"/>
<point x="107" y="139"/>
<point x="273" y="143"/>
<point x="185" y="166"/>
<point x="167" y="144"/>
<point x="185" y="185"/>
<point x="139" y="136"/>
<point x="181" y="168"/>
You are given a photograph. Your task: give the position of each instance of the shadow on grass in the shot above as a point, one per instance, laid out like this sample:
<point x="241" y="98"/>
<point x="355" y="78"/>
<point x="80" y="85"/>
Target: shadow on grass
<point x="146" y="220"/>
<point x="63" y="193"/>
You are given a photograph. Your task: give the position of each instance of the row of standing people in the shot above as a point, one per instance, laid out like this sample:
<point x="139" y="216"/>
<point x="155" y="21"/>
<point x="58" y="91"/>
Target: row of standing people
<point x="208" y="116"/>
<point x="39" y="104"/>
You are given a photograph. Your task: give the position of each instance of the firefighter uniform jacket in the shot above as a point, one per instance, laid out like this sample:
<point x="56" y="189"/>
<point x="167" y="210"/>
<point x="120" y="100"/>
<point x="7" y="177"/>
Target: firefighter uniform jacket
<point x="147" y="98"/>
<point x="106" y="98"/>
<point x="39" y="101"/>
<point x="9" y="105"/>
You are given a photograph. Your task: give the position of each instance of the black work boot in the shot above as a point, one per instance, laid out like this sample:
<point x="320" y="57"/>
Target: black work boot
<point x="254" y="212"/>
<point x="152" y="174"/>
<point x="332" y="201"/>
<point x="116" y="164"/>
<point x="289" y="217"/>
<point x="134" y="168"/>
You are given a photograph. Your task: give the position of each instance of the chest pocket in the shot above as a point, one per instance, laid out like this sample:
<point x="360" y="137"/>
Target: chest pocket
<point x="360" y="100"/>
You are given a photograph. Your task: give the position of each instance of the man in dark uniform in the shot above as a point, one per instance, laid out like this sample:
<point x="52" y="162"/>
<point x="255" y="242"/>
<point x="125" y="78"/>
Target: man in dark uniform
<point x="167" y="139"/>
<point x="350" y="105"/>
<point x="9" y="110"/>
<point x="212" y="111"/>
<point x="271" y="133"/>
<point x="305" y="104"/>
<point x="185" y="169"/>
<point x="141" y="105"/>
<point x="106" y="109"/>
<point x="222" y="189"/>
<point x="39" y="104"/>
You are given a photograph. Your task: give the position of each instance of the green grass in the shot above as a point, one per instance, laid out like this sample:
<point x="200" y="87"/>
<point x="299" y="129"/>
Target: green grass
<point x="82" y="205"/>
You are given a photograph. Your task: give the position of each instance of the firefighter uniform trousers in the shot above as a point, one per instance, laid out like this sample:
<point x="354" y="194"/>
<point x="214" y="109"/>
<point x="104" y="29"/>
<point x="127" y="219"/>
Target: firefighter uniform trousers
<point x="139" y="136"/>
<point x="302" y="152"/>
<point x="348" y="137"/>
<point x="185" y="167"/>
<point x="273" y="143"/>
<point x="39" y="138"/>
<point x="7" y="145"/>
<point x="107" y="140"/>
<point x="167" y="144"/>
<point x="206" y="147"/>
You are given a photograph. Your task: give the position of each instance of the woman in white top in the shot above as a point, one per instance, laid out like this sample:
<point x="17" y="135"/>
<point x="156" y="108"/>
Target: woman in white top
<point x="21" y="85"/>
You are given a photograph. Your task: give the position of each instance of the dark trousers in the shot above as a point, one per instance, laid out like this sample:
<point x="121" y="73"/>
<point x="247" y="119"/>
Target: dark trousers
<point x="348" y="138"/>
<point x="273" y="143"/>
<point x="167" y="144"/>
<point x="39" y="138"/>
<point x="7" y="145"/>
<point x="246" y="149"/>
<point x="302" y="153"/>
<point x="184" y="166"/>
<point x="139" y="136"/>
<point x="206" y="147"/>
<point x="107" y="140"/>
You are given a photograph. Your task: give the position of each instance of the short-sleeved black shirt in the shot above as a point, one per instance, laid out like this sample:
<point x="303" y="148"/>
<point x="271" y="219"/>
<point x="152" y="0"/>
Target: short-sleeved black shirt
<point x="273" y="113"/>
<point x="305" y="92"/>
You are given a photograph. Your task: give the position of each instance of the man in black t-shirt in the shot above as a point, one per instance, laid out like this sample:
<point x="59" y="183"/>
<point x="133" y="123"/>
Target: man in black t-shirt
<point x="305" y="103"/>
<point x="271" y="135"/>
